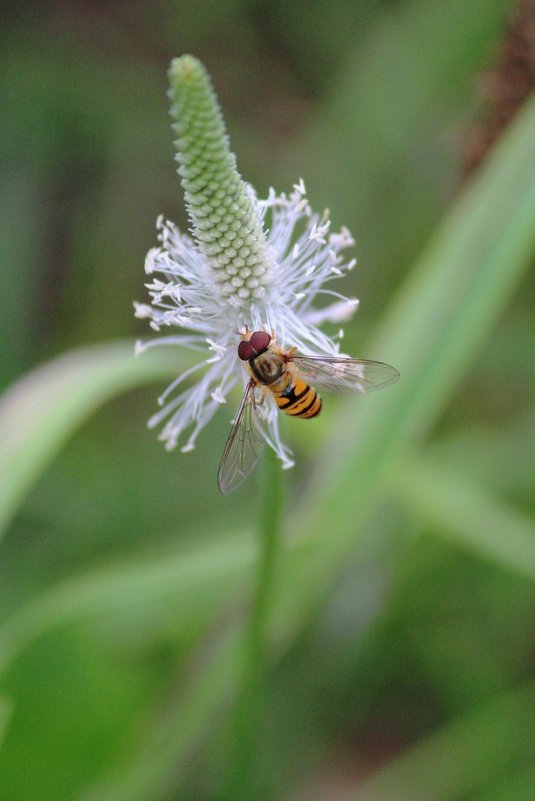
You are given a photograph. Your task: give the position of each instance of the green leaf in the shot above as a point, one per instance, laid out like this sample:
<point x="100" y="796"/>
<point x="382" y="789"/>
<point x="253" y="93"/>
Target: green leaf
<point x="193" y="582"/>
<point x="40" y="411"/>
<point x="467" y="515"/>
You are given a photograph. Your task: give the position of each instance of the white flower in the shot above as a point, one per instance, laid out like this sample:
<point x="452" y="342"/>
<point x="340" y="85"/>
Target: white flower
<point x="213" y="302"/>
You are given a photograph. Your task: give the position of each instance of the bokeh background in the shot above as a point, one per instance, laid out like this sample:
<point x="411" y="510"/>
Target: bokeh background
<point x="412" y="674"/>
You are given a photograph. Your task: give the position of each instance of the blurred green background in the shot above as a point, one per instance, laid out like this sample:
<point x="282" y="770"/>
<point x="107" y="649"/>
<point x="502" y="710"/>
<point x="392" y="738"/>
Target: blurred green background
<point x="403" y="632"/>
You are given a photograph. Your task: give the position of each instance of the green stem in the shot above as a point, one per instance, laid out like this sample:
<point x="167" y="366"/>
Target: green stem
<point x="251" y="703"/>
<point x="270" y="545"/>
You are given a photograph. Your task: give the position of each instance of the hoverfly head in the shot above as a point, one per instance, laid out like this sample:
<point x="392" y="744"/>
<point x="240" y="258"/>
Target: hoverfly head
<point x="257" y="343"/>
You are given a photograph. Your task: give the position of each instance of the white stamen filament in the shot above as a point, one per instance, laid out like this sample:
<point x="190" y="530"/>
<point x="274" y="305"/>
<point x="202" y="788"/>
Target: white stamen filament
<point x="185" y="294"/>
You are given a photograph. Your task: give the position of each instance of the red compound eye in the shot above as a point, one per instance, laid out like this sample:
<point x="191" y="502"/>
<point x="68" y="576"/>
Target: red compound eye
<point x="260" y="341"/>
<point x="246" y="351"/>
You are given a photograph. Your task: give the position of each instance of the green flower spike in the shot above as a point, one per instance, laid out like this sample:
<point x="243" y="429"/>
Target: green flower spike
<point x="224" y="220"/>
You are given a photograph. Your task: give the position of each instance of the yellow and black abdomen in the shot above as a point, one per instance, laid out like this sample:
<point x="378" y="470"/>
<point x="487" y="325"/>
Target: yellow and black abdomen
<point x="292" y="395"/>
<point x="298" y="399"/>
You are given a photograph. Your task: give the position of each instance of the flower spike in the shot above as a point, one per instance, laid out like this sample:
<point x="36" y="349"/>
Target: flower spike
<point x="249" y="265"/>
<point x="225" y="222"/>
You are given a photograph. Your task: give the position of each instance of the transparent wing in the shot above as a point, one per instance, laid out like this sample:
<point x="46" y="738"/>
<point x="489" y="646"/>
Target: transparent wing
<point x="340" y="373"/>
<point x="244" y="444"/>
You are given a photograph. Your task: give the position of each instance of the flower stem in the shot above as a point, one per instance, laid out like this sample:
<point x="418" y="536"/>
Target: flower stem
<point x="270" y="543"/>
<point x="251" y="704"/>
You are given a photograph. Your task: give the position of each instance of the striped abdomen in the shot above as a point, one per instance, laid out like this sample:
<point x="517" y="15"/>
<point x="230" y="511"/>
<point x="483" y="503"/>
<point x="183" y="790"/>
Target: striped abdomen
<point x="297" y="398"/>
<point x="293" y="395"/>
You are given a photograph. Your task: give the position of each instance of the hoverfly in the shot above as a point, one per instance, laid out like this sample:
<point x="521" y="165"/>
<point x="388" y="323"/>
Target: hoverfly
<point x="286" y="375"/>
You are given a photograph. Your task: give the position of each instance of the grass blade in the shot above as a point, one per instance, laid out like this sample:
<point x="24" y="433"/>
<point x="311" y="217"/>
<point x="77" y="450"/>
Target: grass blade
<point x="40" y="411"/>
<point x="486" y="527"/>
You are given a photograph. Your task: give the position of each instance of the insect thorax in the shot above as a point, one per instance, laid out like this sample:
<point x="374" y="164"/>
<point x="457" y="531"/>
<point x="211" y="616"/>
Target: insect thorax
<point x="267" y="367"/>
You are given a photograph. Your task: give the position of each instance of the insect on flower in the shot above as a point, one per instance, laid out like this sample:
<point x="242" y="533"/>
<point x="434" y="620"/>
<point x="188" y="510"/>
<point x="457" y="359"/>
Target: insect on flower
<point x="285" y="375"/>
<point x="251" y="265"/>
